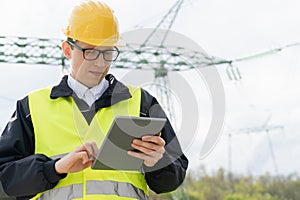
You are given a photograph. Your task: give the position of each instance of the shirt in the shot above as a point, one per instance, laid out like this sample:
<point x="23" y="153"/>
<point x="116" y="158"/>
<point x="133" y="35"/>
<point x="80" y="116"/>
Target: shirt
<point x="89" y="95"/>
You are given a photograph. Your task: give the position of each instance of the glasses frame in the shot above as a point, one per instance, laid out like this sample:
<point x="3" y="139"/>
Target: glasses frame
<point x="93" y="49"/>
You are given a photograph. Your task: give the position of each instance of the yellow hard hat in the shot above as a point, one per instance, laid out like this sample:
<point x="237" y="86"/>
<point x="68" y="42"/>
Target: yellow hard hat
<point x="93" y="22"/>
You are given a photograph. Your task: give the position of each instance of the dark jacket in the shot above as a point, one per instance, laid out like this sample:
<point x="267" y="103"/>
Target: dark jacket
<point x="24" y="174"/>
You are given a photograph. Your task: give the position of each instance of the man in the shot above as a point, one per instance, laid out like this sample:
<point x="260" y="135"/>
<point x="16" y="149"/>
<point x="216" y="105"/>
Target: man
<point x="49" y="144"/>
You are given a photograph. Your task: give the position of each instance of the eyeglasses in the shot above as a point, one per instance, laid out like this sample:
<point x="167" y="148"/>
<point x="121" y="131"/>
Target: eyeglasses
<point x="93" y="54"/>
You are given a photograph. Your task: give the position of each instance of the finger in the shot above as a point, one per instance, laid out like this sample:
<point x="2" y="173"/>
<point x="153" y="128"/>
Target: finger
<point x="80" y="148"/>
<point x="92" y="149"/>
<point x="154" y="153"/>
<point x="88" y="164"/>
<point x="142" y="148"/>
<point x="148" y="148"/>
<point x="95" y="149"/>
<point x="154" y="139"/>
<point x="83" y="156"/>
<point x="148" y="145"/>
<point x="88" y="148"/>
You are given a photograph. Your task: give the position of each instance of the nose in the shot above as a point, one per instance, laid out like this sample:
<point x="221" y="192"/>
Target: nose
<point x="100" y="62"/>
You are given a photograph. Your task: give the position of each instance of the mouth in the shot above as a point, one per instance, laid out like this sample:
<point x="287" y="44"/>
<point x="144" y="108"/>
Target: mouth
<point x="96" y="73"/>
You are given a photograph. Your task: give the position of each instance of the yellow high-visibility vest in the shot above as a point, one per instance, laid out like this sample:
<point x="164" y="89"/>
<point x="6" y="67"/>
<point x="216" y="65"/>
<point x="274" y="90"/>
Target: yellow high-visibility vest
<point x="60" y="127"/>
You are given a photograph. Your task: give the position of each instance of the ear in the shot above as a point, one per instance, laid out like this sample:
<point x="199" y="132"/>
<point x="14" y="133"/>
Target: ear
<point x="66" y="49"/>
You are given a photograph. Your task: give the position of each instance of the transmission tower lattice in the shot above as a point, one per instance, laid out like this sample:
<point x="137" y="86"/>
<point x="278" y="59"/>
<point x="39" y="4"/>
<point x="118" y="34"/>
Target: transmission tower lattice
<point x="264" y="128"/>
<point x="31" y="51"/>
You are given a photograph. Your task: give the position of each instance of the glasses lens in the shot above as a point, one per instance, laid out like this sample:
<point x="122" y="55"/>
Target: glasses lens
<point x="110" y="55"/>
<point x="91" y="54"/>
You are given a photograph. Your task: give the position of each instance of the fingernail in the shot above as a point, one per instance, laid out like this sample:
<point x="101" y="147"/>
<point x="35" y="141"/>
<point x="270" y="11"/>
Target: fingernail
<point x="146" y="137"/>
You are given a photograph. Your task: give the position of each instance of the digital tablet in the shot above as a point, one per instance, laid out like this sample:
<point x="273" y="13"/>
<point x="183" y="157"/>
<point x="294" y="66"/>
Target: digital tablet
<point x="112" y="154"/>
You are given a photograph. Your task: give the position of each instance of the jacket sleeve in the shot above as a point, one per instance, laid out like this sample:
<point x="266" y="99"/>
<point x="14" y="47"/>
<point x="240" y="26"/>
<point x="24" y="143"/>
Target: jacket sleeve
<point x="23" y="174"/>
<point x="170" y="171"/>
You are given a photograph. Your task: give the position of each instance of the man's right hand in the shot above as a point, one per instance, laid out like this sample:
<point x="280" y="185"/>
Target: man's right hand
<point x="80" y="158"/>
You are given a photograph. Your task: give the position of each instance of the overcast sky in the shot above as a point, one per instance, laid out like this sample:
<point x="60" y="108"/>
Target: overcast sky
<point x="267" y="95"/>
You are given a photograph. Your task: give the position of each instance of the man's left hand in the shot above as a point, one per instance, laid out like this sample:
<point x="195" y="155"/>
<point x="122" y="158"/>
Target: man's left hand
<point x="151" y="149"/>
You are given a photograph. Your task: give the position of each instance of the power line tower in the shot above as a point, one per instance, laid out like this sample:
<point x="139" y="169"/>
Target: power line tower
<point x="259" y="129"/>
<point x="153" y="54"/>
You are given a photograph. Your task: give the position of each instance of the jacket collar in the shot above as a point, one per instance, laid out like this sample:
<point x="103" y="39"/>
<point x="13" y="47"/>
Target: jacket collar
<point x="115" y="92"/>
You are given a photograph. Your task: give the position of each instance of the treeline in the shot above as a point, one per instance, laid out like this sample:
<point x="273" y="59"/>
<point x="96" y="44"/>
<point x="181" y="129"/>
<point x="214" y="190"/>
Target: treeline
<point x="199" y="185"/>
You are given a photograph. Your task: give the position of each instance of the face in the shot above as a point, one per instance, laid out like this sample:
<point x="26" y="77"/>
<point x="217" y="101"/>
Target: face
<point x="89" y="73"/>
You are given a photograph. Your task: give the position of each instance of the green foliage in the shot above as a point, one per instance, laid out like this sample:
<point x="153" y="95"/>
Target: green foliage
<point x="221" y="185"/>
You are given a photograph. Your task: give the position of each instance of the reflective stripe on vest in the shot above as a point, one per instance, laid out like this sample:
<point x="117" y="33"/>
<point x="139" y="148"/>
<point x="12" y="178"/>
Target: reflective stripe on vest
<point x="95" y="188"/>
<point x="60" y="127"/>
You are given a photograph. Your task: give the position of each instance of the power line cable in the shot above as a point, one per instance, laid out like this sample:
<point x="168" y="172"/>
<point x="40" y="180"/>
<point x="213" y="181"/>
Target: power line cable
<point x="266" y="53"/>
